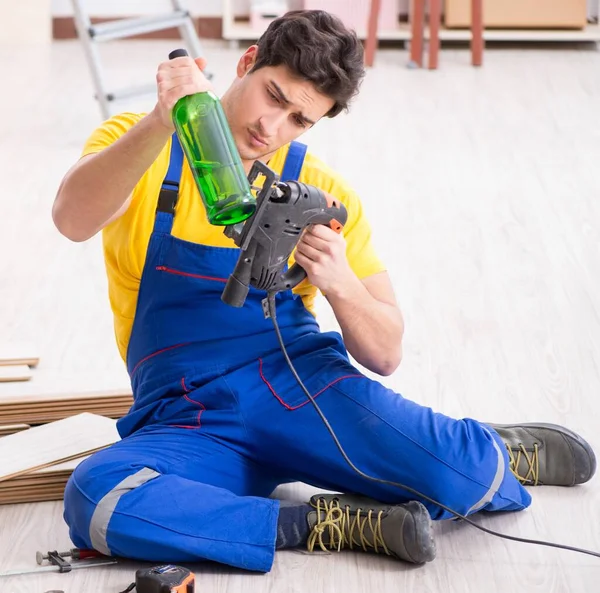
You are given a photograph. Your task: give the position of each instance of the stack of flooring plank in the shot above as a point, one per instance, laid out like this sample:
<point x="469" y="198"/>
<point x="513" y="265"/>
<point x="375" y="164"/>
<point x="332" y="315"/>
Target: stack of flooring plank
<point x="40" y="408"/>
<point x="38" y="486"/>
<point x="36" y="463"/>
<point x="17" y="363"/>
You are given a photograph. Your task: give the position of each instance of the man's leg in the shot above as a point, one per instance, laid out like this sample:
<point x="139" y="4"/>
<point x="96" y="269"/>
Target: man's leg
<point x="173" y="495"/>
<point x="462" y="464"/>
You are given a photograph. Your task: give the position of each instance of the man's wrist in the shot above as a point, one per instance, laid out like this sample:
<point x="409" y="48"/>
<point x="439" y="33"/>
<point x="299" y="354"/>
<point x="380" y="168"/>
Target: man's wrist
<point x="157" y="124"/>
<point x="348" y="289"/>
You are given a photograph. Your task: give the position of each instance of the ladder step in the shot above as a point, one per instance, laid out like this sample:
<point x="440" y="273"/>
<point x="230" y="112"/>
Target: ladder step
<point x="137" y="26"/>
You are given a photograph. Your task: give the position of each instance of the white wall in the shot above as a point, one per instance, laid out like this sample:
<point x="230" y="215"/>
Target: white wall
<point x="134" y="7"/>
<point x="25" y="22"/>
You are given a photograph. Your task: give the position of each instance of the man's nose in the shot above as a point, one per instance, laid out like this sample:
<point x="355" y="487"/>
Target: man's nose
<point x="271" y="123"/>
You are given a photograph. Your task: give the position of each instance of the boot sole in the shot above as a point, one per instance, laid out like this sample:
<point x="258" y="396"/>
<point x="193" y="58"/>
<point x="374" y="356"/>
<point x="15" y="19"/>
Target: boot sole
<point x="565" y="431"/>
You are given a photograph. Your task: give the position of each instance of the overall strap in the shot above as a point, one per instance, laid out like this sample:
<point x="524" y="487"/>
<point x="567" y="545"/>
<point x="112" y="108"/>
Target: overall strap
<point x="167" y="198"/>
<point x="294" y="161"/>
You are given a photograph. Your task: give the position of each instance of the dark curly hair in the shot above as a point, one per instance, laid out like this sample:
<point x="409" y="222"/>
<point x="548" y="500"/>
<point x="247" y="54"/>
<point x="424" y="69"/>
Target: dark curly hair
<point x="316" y="46"/>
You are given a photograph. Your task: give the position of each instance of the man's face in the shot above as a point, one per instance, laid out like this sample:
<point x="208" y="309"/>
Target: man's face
<point x="269" y="108"/>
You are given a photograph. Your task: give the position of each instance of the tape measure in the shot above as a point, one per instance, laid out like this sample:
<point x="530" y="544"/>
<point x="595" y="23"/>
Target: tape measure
<point x="163" y="579"/>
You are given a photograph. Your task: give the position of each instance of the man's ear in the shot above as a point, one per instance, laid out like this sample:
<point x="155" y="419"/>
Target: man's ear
<point x="247" y="61"/>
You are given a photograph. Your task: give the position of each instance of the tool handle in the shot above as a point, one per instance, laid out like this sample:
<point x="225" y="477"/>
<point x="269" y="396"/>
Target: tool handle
<point x="78" y="554"/>
<point x="291" y="278"/>
<point x="334" y="216"/>
<point x="74" y="553"/>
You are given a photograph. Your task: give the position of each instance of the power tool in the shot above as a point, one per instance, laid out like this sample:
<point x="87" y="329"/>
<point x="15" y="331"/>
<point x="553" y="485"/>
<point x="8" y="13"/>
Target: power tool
<point x="267" y="239"/>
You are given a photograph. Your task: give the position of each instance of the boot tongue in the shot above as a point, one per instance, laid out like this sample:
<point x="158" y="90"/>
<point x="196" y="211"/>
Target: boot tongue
<point x="525" y="464"/>
<point x="517" y="436"/>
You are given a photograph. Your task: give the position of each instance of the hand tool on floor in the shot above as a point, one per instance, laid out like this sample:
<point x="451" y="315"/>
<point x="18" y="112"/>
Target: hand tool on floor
<point x="267" y="239"/>
<point x="163" y="579"/>
<point x="74" y="553"/>
<point x="84" y="559"/>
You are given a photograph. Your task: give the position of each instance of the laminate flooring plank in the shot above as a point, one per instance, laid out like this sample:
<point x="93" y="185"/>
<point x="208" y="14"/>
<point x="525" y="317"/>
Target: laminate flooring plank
<point x="17" y="354"/>
<point x="15" y="372"/>
<point x="6" y="429"/>
<point x="53" y="443"/>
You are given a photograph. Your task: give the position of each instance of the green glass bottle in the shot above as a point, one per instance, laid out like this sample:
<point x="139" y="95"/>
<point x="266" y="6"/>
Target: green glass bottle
<point x="216" y="165"/>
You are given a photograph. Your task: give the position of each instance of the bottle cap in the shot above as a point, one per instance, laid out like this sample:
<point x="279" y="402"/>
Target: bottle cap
<point x="178" y="53"/>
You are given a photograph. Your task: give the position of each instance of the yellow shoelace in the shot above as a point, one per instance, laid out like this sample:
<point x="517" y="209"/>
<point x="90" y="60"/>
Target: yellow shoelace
<point x="346" y="531"/>
<point x="533" y="472"/>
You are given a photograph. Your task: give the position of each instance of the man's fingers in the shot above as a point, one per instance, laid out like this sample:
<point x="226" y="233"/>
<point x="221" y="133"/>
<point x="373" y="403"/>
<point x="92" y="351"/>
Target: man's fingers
<point x="322" y="231"/>
<point x="314" y="241"/>
<point x="201" y="63"/>
<point x="308" y="251"/>
<point x="177" y="74"/>
<point x="304" y="261"/>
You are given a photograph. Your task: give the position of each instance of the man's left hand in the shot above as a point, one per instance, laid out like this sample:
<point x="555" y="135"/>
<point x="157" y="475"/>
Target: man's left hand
<point x="322" y="253"/>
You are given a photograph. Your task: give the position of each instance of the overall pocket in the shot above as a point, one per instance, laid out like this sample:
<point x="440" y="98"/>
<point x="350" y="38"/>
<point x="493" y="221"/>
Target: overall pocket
<point x="318" y="370"/>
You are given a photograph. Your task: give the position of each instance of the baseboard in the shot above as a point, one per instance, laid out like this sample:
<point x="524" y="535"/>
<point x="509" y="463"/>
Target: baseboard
<point x="63" y="27"/>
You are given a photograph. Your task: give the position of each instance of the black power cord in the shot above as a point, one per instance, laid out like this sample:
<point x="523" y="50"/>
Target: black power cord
<point x="272" y="313"/>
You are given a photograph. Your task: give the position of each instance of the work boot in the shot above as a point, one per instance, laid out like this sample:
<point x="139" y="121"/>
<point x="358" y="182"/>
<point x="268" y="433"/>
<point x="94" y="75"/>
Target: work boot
<point x="547" y="454"/>
<point x="344" y="521"/>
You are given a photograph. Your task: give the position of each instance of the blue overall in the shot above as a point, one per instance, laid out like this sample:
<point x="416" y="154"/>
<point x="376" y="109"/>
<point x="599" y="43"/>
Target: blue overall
<point x="219" y="421"/>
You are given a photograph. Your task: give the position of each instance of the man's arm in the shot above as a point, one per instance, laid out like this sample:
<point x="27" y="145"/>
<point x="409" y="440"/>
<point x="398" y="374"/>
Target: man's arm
<point x="98" y="188"/>
<point x="370" y="320"/>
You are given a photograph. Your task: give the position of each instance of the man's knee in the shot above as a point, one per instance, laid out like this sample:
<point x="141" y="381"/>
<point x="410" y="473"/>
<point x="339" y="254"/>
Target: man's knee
<point x="92" y="494"/>
<point x="79" y="505"/>
<point x="474" y="474"/>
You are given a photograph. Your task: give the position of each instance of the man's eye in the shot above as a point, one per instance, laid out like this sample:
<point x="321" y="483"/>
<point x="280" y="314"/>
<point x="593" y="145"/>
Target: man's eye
<point x="299" y="121"/>
<point x="273" y="96"/>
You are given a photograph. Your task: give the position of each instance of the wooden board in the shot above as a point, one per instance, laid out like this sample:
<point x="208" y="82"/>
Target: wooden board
<point x="6" y="429"/>
<point x="34" y="497"/>
<point x="56" y="397"/>
<point x="12" y="354"/>
<point x="71" y="404"/>
<point x="65" y="466"/>
<point x="54" y="417"/>
<point x="84" y="407"/>
<point x="15" y="372"/>
<point x="44" y="484"/>
<point x="36" y="477"/>
<point x="50" y="444"/>
<point x="26" y="487"/>
<point x="520" y="14"/>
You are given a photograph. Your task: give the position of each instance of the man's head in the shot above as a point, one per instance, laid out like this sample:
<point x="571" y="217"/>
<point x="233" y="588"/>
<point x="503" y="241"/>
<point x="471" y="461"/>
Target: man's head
<point x="307" y="65"/>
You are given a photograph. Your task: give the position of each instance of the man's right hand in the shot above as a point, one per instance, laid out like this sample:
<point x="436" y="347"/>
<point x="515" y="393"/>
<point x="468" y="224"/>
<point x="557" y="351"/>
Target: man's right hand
<point x="175" y="79"/>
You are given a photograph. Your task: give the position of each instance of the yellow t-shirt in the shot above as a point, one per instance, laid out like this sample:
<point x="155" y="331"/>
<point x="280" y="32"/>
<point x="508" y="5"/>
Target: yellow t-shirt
<point x="125" y="240"/>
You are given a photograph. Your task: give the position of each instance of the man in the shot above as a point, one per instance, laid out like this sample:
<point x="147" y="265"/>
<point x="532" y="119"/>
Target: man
<point x="219" y="420"/>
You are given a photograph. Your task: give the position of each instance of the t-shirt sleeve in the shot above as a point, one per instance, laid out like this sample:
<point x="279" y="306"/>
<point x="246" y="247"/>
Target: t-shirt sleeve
<point x="360" y="251"/>
<point x="110" y="131"/>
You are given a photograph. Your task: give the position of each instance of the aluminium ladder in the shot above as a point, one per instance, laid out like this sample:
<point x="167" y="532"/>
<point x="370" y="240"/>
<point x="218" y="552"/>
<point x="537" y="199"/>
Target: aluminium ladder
<point x="90" y="35"/>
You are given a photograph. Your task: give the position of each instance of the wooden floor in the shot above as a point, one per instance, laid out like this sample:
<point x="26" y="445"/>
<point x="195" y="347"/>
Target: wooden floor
<point x="483" y="190"/>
